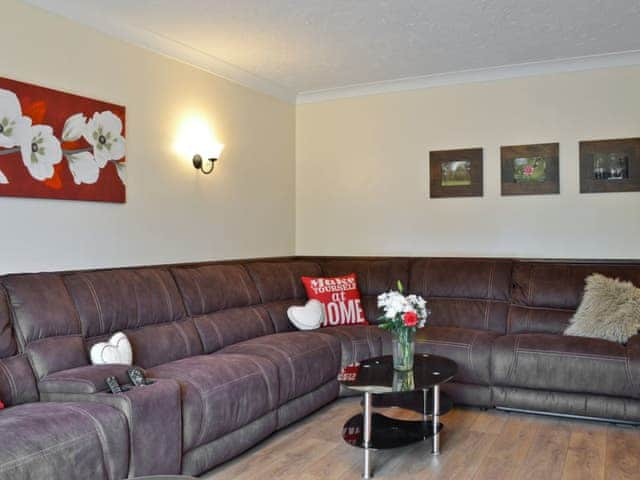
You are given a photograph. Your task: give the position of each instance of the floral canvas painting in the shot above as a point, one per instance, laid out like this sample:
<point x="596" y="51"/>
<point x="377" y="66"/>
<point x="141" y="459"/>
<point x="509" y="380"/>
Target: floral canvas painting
<point x="60" y="146"/>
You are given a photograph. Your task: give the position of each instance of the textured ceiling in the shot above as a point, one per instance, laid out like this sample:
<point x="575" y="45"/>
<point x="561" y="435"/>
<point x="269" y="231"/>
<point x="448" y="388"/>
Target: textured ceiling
<point x="305" y="45"/>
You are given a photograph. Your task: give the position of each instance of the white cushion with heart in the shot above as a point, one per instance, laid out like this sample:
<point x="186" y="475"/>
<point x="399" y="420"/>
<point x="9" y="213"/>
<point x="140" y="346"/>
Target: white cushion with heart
<point x="309" y="317"/>
<point x="116" y="350"/>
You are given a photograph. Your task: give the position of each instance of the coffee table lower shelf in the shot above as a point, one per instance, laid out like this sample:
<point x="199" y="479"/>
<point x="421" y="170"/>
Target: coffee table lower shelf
<point x="387" y="432"/>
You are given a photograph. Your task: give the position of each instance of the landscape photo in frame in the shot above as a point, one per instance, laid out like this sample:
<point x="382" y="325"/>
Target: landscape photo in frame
<point x="455" y="173"/>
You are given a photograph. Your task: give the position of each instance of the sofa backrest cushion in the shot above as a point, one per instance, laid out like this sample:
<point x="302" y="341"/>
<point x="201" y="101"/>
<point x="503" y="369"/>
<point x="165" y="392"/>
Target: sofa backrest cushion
<point x="279" y="285"/>
<point x="144" y="303"/>
<point x="224" y="304"/>
<point x="46" y="324"/>
<point x="469" y="293"/>
<point x="374" y="277"/>
<point x="17" y="382"/>
<point x="8" y="345"/>
<point x="546" y="294"/>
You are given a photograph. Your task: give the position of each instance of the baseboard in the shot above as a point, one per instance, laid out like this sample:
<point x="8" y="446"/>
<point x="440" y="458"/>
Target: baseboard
<point x="569" y="416"/>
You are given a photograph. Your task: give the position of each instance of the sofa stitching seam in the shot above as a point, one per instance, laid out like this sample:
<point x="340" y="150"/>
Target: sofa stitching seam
<point x="571" y="355"/>
<point x="94" y="295"/>
<point x="18" y="462"/>
<point x="183" y="334"/>
<point x="265" y="379"/>
<point x="99" y="430"/>
<point x="12" y="386"/>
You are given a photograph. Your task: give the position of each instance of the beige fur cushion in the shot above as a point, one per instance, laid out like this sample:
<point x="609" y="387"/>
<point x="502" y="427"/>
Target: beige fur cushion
<point x="610" y="309"/>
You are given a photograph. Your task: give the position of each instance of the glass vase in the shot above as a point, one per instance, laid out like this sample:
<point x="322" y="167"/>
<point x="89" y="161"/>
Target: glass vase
<point x="403" y="348"/>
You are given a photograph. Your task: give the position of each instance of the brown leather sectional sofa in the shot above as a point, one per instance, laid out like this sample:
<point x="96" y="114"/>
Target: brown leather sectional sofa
<point x="230" y="370"/>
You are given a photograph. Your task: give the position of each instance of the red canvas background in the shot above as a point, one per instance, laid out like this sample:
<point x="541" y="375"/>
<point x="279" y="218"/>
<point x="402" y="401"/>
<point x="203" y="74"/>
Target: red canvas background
<point x="52" y="107"/>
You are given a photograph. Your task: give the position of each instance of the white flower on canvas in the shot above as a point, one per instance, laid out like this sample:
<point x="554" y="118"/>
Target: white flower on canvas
<point x="13" y="126"/>
<point x="40" y="152"/>
<point x="74" y="127"/>
<point x="83" y="168"/>
<point x="104" y="134"/>
<point x="122" y="172"/>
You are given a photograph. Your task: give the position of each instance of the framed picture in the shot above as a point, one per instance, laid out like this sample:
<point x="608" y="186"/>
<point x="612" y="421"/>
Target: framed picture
<point x="60" y="146"/>
<point x="455" y="173"/>
<point x="610" y="166"/>
<point x="530" y="169"/>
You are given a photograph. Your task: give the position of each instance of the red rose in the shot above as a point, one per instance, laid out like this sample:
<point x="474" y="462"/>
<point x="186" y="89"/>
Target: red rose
<point x="410" y="319"/>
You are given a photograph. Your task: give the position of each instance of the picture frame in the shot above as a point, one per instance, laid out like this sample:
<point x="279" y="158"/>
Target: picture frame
<point x="610" y="165"/>
<point x="60" y="145"/>
<point x="530" y="169"/>
<point x="456" y="173"/>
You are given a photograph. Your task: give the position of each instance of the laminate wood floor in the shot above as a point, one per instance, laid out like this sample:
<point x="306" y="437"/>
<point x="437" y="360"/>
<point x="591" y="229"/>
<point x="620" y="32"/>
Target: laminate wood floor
<point x="475" y="444"/>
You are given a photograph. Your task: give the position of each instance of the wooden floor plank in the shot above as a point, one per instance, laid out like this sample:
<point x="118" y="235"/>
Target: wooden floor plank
<point x="475" y="444"/>
<point x="623" y="454"/>
<point x="509" y="450"/>
<point x="586" y="456"/>
<point x="548" y="452"/>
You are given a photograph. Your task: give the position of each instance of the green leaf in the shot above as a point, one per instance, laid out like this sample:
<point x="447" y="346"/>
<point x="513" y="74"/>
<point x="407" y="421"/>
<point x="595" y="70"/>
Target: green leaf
<point x="400" y="287"/>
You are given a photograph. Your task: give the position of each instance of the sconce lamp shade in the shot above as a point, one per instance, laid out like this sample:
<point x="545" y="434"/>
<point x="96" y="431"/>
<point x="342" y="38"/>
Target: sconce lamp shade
<point x="215" y="151"/>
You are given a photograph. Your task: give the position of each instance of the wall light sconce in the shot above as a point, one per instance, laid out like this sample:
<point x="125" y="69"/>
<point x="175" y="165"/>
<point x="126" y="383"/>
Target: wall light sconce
<point x="199" y="163"/>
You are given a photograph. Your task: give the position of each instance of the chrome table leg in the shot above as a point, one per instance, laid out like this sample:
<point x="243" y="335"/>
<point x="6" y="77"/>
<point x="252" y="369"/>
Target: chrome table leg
<point x="435" y="418"/>
<point x="366" y="438"/>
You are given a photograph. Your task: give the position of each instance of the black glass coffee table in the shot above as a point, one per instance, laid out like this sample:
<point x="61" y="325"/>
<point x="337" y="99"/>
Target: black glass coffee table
<point x="382" y="386"/>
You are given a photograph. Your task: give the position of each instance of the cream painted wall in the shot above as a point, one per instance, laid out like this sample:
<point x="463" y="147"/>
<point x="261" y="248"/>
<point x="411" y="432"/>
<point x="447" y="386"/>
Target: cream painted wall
<point x="361" y="170"/>
<point x="245" y="209"/>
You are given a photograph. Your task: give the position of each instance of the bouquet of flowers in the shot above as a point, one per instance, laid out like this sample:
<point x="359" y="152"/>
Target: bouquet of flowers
<point x="402" y="315"/>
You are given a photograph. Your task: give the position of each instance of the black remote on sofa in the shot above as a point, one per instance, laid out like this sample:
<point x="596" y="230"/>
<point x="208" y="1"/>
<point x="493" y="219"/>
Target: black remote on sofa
<point x="137" y="377"/>
<point x="114" y="386"/>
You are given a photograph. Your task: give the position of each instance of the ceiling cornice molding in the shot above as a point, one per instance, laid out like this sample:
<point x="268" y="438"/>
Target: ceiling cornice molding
<point x="166" y="47"/>
<point x="577" y="64"/>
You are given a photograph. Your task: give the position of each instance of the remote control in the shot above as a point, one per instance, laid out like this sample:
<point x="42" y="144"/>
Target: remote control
<point x="114" y="386"/>
<point x="136" y="375"/>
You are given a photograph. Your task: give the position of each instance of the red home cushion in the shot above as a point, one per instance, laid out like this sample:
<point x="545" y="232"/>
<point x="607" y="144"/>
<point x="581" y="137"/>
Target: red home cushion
<point x="340" y="297"/>
<point x="1" y="405"/>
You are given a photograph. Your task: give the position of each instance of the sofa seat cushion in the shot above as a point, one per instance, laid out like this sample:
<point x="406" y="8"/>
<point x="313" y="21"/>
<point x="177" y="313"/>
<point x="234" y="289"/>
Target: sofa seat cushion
<point x="358" y="342"/>
<point x="220" y="393"/>
<point x="562" y="363"/>
<point x="305" y="360"/>
<point x="63" y="441"/>
<point x="469" y="348"/>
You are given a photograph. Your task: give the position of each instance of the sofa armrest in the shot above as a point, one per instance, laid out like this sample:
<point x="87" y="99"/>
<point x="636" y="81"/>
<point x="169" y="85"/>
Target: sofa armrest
<point x="87" y="379"/>
<point x="634" y="343"/>
<point x="154" y="417"/>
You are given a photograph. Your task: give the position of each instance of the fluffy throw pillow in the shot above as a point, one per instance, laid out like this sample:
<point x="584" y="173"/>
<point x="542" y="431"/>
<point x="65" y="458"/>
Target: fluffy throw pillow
<point x="340" y="297"/>
<point x="610" y="309"/>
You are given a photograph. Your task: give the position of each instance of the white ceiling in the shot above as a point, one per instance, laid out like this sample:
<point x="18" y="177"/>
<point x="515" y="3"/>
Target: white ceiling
<point x="285" y="47"/>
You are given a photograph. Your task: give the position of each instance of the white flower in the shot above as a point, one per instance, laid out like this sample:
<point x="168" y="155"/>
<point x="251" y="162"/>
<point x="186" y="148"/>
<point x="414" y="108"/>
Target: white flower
<point x="104" y="134"/>
<point x="3" y="178"/>
<point x="83" y="168"/>
<point x="121" y="168"/>
<point x="74" y="127"/>
<point x="41" y="151"/>
<point x="13" y="126"/>
<point x="394" y="305"/>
